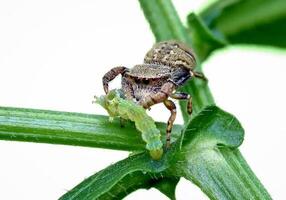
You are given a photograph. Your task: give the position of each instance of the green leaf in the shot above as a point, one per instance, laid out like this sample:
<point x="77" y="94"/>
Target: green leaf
<point x="210" y="159"/>
<point x="103" y="181"/>
<point x="166" y="24"/>
<point x="139" y="180"/>
<point x="118" y="178"/>
<point x="213" y="127"/>
<point x="248" y="22"/>
<point x="31" y="125"/>
<point x="203" y="38"/>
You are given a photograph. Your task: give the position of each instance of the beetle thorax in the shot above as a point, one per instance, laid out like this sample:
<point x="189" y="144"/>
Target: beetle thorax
<point x="146" y="79"/>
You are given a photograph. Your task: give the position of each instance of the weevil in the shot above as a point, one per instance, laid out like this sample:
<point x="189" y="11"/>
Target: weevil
<point x="167" y="66"/>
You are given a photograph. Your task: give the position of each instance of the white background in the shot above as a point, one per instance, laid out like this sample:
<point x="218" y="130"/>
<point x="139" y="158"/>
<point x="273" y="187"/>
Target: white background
<point x="53" y="55"/>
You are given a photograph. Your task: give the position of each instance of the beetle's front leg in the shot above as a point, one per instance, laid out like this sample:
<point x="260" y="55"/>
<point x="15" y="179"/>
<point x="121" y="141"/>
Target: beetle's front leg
<point x="158" y="97"/>
<point x="182" y="95"/>
<point x="109" y="76"/>
<point x="172" y="107"/>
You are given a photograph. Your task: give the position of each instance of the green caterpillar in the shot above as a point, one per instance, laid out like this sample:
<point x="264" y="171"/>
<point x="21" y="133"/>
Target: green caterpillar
<point x="116" y="106"/>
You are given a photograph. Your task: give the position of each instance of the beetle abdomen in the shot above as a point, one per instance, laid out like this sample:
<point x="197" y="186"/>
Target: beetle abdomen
<point x="171" y="53"/>
<point x="141" y="91"/>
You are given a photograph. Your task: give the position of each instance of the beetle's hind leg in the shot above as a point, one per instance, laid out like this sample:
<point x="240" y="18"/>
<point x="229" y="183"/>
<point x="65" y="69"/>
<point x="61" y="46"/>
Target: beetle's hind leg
<point x="109" y="76"/>
<point x="199" y="75"/>
<point x="172" y="107"/>
<point x="184" y="96"/>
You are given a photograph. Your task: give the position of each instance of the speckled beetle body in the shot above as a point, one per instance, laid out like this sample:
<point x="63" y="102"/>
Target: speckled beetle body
<point x="167" y="65"/>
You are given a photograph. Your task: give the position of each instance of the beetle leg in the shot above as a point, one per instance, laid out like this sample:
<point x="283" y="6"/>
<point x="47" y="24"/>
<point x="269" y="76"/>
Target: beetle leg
<point x="158" y="97"/>
<point x="199" y="75"/>
<point x="109" y="76"/>
<point x="172" y="107"/>
<point x="182" y="95"/>
<point x="190" y="105"/>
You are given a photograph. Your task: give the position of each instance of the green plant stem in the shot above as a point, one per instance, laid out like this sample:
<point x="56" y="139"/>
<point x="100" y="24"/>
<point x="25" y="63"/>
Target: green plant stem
<point x="164" y="21"/>
<point x="217" y="184"/>
<point x="166" y="25"/>
<point x="209" y="158"/>
<point x="42" y="126"/>
<point x="227" y="178"/>
<point x="117" y="178"/>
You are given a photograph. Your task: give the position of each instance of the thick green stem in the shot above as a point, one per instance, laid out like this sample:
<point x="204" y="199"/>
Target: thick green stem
<point x="164" y="21"/>
<point x="54" y="127"/>
<point x="225" y="176"/>
<point x="221" y="173"/>
<point x="166" y="24"/>
<point x="209" y="158"/>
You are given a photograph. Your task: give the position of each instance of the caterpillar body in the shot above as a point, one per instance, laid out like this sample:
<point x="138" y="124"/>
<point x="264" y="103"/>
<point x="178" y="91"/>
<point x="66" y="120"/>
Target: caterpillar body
<point x="116" y="106"/>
